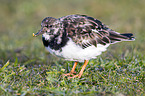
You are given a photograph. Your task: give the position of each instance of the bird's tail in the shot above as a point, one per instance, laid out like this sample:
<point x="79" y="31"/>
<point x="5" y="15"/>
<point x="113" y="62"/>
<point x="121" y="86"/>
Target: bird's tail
<point x="117" y="37"/>
<point x="129" y="36"/>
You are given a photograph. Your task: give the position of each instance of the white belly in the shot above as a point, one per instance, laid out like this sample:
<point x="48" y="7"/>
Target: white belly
<point x="74" y="52"/>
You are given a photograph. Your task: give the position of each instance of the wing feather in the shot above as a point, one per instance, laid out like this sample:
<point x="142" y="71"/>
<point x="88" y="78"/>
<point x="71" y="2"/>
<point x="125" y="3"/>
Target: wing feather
<point x="86" y="31"/>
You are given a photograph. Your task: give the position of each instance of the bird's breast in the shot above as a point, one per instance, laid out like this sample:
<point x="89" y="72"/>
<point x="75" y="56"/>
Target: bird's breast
<point x="73" y="52"/>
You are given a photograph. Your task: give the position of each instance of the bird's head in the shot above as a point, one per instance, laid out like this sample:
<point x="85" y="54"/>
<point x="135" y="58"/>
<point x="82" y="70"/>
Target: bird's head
<point x="46" y="26"/>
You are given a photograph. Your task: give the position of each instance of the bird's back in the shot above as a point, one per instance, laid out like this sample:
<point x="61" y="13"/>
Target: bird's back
<point x="86" y="31"/>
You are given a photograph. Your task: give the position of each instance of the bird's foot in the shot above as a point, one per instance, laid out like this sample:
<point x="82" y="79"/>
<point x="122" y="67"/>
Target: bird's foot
<point x="69" y="74"/>
<point x="74" y="76"/>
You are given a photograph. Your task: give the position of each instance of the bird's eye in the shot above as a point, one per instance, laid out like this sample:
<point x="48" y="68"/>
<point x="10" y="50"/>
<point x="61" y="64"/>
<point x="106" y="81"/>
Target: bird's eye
<point x="50" y="26"/>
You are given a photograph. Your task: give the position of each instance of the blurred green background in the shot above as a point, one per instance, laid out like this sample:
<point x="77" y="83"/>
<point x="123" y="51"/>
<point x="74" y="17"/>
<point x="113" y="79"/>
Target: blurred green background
<point x="124" y="61"/>
<point x="20" y="18"/>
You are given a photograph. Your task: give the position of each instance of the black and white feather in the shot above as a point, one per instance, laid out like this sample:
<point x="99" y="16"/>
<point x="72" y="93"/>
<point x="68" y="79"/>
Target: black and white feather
<point x="78" y="37"/>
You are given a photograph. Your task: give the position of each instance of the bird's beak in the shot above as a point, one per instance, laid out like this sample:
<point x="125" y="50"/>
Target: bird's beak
<point x="38" y="33"/>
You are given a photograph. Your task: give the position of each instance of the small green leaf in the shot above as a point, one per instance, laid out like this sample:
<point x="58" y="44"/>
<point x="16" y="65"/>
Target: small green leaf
<point x="5" y="65"/>
<point x="16" y="62"/>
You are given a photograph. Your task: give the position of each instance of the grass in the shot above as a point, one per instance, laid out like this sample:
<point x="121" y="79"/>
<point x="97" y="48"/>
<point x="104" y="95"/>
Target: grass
<point x="27" y="69"/>
<point x="109" y="77"/>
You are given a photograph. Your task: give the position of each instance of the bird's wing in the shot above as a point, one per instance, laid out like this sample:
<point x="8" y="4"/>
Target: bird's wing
<point x="86" y="31"/>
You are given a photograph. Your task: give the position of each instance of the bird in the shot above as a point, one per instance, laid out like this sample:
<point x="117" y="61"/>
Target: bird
<point x="78" y="38"/>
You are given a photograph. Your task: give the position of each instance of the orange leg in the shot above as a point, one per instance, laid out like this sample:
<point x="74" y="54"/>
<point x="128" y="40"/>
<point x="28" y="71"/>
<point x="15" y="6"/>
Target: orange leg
<point x="82" y="70"/>
<point x="72" y="70"/>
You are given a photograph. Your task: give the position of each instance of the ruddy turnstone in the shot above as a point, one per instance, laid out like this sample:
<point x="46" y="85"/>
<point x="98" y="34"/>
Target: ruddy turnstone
<point x="78" y="38"/>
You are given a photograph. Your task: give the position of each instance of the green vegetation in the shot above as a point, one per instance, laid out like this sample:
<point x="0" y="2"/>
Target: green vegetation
<point x="27" y="69"/>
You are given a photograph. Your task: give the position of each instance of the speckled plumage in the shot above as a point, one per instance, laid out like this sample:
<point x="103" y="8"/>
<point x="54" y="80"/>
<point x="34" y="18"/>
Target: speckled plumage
<point x="84" y="31"/>
<point x="78" y="37"/>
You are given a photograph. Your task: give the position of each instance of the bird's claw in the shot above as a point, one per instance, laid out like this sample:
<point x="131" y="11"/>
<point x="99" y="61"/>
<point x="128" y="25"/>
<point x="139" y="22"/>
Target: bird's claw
<point x="71" y="75"/>
<point x="74" y="76"/>
<point x="68" y="74"/>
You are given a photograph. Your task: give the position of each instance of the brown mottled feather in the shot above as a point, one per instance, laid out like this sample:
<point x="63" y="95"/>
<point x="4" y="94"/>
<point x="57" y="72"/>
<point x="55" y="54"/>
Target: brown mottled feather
<point x="82" y="28"/>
